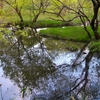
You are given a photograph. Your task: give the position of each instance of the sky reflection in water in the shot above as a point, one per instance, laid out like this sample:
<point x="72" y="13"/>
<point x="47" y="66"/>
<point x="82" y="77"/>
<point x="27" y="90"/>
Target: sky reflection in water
<point x="52" y="81"/>
<point x="9" y="90"/>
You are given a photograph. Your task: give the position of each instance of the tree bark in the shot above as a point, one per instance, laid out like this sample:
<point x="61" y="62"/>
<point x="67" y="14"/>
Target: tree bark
<point x="36" y="17"/>
<point x="20" y="16"/>
<point x="94" y="21"/>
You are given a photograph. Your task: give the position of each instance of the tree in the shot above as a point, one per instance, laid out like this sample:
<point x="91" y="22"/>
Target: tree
<point x="17" y="5"/>
<point x="39" y="7"/>
<point x="94" y="21"/>
<point x="80" y="11"/>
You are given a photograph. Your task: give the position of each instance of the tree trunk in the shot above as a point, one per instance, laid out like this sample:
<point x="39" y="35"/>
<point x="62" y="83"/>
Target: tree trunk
<point x="94" y="21"/>
<point x="20" y="16"/>
<point x="83" y="21"/>
<point x="36" y="17"/>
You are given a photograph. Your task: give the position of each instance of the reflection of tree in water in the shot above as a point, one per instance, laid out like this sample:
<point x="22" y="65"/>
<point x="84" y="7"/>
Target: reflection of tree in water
<point x="25" y="71"/>
<point x="33" y="67"/>
<point x="87" y="83"/>
<point x="26" y="65"/>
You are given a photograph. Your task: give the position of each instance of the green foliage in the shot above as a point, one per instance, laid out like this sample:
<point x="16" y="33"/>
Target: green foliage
<point x="21" y="32"/>
<point x="30" y="8"/>
<point x="95" y="46"/>
<point x="5" y="35"/>
<point x="15" y="3"/>
<point x="13" y="99"/>
<point x="2" y="12"/>
<point x="25" y="90"/>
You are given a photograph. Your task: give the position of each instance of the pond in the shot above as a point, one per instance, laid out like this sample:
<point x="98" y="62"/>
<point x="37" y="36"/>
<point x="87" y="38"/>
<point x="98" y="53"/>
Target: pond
<point x="45" y="69"/>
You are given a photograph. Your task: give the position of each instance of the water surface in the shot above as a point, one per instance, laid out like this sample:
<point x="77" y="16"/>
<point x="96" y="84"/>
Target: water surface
<point x="45" y="67"/>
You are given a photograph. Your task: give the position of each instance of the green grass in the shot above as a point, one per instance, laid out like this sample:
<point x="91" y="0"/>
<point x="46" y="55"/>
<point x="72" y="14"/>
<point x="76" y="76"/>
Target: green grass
<point x="71" y="33"/>
<point x="44" y="23"/>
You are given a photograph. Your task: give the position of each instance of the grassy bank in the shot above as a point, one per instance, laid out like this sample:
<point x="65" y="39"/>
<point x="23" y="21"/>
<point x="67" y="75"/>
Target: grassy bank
<point x="74" y="33"/>
<point x="44" y="24"/>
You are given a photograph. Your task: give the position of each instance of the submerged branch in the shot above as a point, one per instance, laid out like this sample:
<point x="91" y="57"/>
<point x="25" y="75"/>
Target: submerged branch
<point x="79" y="54"/>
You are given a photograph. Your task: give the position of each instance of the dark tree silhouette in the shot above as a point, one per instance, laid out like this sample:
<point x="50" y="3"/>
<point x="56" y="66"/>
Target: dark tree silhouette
<point x="94" y="21"/>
